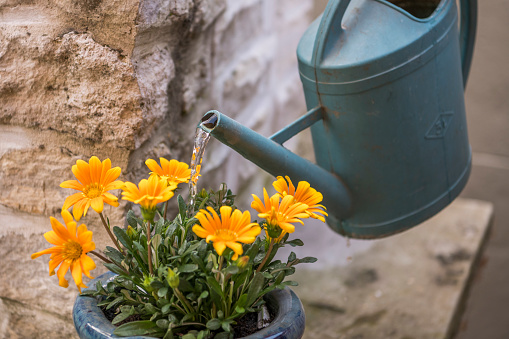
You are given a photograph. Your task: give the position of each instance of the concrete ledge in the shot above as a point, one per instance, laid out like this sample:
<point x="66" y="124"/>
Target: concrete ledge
<point x="411" y="285"/>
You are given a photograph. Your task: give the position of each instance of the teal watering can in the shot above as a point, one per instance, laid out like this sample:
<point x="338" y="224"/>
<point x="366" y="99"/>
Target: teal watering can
<point x="384" y="86"/>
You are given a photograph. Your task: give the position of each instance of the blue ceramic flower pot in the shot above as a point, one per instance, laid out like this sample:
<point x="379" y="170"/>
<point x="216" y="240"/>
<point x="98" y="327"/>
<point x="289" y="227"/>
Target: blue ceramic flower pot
<point x="288" y="322"/>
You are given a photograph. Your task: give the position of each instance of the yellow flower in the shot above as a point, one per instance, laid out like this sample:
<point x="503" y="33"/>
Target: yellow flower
<point x="175" y="172"/>
<point x="71" y="247"/>
<point x="278" y="214"/>
<point x="304" y="194"/>
<point x="228" y="231"/>
<point x="95" y="179"/>
<point x="150" y="193"/>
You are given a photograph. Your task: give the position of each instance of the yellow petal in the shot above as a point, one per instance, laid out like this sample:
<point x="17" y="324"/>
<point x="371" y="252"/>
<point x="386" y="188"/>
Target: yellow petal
<point x="72" y="199"/>
<point x="61" y="273"/>
<point x="76" y="273"/>
<point x="97" y="204"/>
<point x="46" y="251"/>
<point x="53" y="238"/>
<point x="74" y="184"/>
<point x="87" y="264"/>
<point x="219" y="246"/>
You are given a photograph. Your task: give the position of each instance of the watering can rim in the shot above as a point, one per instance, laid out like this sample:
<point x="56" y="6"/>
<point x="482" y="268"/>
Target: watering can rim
<point x="431" y="17"/>
<point x="341" y="70"/>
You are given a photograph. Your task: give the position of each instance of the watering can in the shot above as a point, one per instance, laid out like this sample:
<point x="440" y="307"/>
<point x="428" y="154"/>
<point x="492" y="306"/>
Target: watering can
<point x="384" y="88"/>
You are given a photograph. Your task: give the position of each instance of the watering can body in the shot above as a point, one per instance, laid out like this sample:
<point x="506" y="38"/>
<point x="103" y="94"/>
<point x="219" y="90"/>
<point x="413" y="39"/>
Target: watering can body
<point x="385" y="94"/>
<point x="392" y="95"/>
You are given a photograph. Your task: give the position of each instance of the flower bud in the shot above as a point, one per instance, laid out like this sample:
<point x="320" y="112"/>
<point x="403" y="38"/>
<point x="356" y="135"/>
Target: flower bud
<point x="242" y="262"/>
<point x="131" y="232"/>
<point x="146" y="284"/>
<point x="173" y="279"/>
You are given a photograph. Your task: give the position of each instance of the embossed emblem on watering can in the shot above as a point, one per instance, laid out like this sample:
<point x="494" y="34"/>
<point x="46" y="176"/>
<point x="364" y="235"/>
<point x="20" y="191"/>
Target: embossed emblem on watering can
<point x="384" y="86"/>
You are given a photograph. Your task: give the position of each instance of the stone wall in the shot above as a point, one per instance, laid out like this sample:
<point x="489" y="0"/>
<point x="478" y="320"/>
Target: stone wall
<point x="128" y="80"/>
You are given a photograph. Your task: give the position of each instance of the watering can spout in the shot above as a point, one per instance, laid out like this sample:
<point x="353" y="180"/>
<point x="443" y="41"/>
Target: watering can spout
<point x="279" y="161"/>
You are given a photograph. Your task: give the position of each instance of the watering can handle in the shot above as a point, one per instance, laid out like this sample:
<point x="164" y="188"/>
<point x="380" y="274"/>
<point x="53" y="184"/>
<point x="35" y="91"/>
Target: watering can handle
<point x="468" y="26"/>
<point x="330" y="28"/>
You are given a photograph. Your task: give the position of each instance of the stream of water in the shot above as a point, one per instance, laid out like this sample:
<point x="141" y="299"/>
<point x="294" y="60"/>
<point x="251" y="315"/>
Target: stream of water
<point x="200" y="141"/>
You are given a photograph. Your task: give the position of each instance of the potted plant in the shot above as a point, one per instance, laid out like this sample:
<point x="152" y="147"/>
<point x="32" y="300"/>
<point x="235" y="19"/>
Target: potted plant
<point x="200" y="274"/>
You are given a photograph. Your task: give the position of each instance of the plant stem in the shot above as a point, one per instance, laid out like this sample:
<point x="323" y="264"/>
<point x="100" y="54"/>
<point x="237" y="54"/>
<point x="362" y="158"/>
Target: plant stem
<point x="271" y="244"/>
<point x="219" y="265"/>
<point x="110" y="234"/>
<point x="149" y="249"/>
<point x="165" y="210"/>
<point x="100" y="256"/>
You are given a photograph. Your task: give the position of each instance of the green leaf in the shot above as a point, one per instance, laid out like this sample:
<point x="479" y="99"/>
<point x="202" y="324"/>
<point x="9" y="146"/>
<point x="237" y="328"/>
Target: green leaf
<point x="114" y="254"/>
<point x="307" y="260"/>
<point x="150" y="308"/>
<point x="295" y="242"/>
<point x="267" y="275"/>
<point x="188" y="336"/>
<point x="187" y="317"/>
<point x="232" y="269"/>
<point x="123" y="237"/>
<point x="89" y="293"/>
<point x="162" y="292"/>
<point x="166" y="308"/>
<point x="203" y="334"/>
<point x="254" y="249"/>
<point x="155" y="316"/>
<point x="254" y="288"/>
<point x="203" y="295"/>
<point x="279" y="278"/>
<point x="131" y="219"/>
<point x="188" y="268"/>
<point x="242" y="301"/>
<point x="169" y="334"/>
<point x="123" y="316"/>
<point x="290" y="283"/>
<point x="114" y="268"/>
<point x="223" y="335"/>
<point x="156" y="241"/>
<point x="240" y="310"/>
<point x="292" y="257"/>
<point x="115" y="302"/>
<point x="214" y="286"/>
<point x="197" y="260"/>
<point x="163" y="323"/>
<point x="182" y="207"/>
<point x="158" y="226"/>
<point x="126" y="294"/>
<point x="213" y="324"/>
<point x="141" y="327"/>
<point x="171" y="229"/>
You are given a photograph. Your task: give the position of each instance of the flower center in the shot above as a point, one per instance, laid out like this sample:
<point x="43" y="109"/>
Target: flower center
<point x="93" y="190"/>
<point x="227" y="235"/>
<point x="72" y="250"/>
<point x="275" y="217"/>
